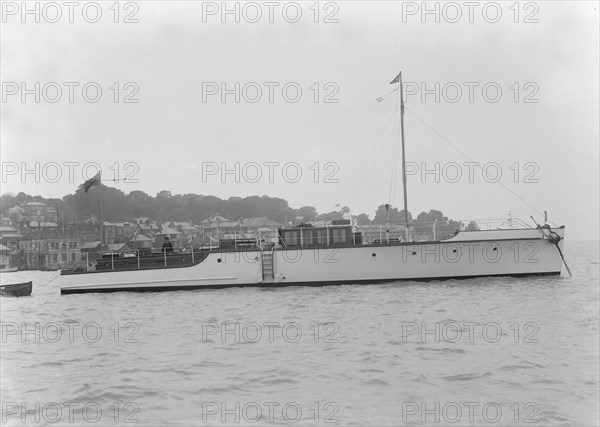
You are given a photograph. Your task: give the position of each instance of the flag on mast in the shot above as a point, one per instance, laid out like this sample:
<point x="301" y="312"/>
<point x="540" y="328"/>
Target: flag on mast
<point x="95" y="180"/>
<point x="396" y="80"/>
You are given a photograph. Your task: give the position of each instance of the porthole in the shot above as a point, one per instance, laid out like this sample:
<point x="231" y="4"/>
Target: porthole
<point x="218" y="259"/>
<point x="373" y="254"/>
<point x="414" y="252"/>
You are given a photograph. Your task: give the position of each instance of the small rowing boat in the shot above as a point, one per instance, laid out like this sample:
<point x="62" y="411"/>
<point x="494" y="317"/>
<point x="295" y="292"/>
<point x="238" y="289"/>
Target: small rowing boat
<point x="16" y="289"/>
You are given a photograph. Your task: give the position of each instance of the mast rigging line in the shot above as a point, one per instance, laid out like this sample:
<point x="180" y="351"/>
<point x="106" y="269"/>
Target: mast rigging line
<point x="370" y="167"/>
<point x="470" y="159"/>
<point x="365" y="160"/>
<point x="115" y="179"/>
<point x="395" y="155"/>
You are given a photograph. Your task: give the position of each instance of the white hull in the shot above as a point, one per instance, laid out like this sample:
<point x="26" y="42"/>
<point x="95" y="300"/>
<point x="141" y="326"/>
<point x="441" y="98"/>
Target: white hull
<point x="468" y="254"/>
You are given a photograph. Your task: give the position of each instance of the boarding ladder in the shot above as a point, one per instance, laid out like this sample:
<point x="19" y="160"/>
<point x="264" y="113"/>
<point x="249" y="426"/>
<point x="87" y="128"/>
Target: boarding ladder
<point x="268" y="271"/>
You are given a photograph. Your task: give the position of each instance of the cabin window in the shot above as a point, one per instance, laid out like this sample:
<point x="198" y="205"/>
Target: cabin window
<point x="64" y="257"/>
<point x="339" y="235"/>
<point x="308" y="237"/>
<point x="322" y="237"/>
<point x="290" y="238"/>
<point x="73" y="256"/>
<point x="55" y="258"/>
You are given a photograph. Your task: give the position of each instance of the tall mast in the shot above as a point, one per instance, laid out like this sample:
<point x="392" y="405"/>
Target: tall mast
<point x="101" y="222"/>
<point x="403" y="153"/>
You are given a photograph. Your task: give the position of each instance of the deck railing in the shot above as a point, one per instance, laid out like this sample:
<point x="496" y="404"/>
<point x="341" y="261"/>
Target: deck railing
<point x="432" y="231"/>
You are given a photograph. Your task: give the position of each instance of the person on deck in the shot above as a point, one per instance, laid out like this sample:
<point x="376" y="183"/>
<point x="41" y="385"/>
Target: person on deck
<point x="167" y="246"/>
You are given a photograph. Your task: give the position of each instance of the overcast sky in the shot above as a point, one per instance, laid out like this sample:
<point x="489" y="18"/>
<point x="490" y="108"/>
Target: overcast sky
<point x="541" y="132"/>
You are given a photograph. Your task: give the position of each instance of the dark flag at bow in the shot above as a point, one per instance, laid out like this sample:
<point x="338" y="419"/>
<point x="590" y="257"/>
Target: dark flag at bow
<point x="396" y="80"/>
<point x="95" y="180"/>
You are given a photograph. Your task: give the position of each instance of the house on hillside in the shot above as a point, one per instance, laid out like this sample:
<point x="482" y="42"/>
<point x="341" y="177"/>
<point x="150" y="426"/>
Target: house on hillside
<point x="91" y="251"/>
<point x="34" y="254"/>
<point x="63" y="251"/>
<point x="10" y="238"/>
<point x="90" y="230"/>
<point x="118" y="232"/>
<point x="262" y="228"/>
<point x="35" y="211"/>
<point x="17" y="214"/>
<point x="117" y="247"/>
<point x="141" y="241"/>
<point x="7" y="222"/>
<point x="187" y="229"/>
<point x="255" y="223"/>
<point x="217" y="227"/>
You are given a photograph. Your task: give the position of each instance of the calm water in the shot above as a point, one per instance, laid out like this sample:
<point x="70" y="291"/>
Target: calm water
<point x="495" y="352"/>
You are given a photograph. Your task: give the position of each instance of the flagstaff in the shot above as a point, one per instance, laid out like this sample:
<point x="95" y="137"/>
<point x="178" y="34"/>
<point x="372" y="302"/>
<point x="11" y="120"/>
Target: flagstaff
<point x="101" y="219"/>
<point x="403" y="155"/>
<point x="400" y="90"/>
<point x="93" y="181"/>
